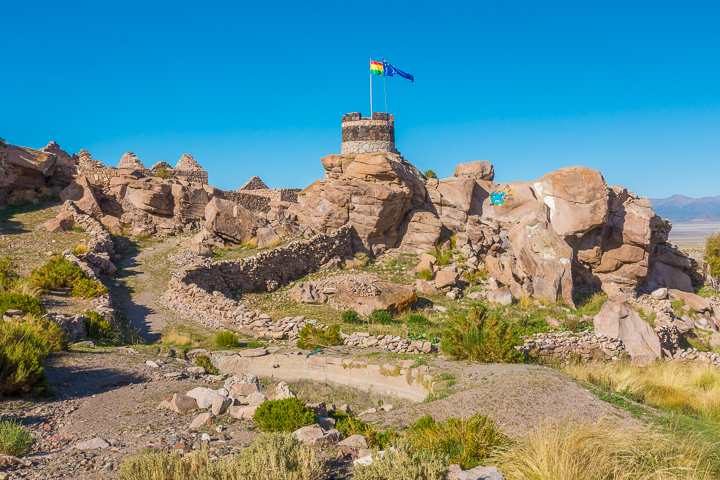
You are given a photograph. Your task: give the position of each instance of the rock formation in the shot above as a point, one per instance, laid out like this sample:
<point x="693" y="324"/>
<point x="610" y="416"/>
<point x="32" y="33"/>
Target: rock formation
<point x="130" y="161"/>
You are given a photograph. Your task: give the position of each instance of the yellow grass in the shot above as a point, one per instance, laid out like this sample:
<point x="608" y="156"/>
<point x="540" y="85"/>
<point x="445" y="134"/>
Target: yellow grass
<point x="601" y="451"/>
<point x="252" y="243"/>
<point x="275" y="242"/>
<point x="525" y="302"/>
<point x="685" y="388"/>
<point x="22" y="286"/>
<point x="178" y="339"/>
<point x="80" y="249"/>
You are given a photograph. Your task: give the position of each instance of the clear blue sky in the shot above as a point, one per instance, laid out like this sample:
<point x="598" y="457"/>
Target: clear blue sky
<point x="258" y="88"/>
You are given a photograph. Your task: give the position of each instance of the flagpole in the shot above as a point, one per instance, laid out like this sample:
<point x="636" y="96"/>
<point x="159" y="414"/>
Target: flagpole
<point x="370" y="88"/>
<point x="384" y="90"/>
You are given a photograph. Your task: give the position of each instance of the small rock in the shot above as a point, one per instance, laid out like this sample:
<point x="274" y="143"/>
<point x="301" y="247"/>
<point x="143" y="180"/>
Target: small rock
<point x="202" y="419"/>
<point x="152" y="364"/>
<point x="354" y="441"/>
<point x="93" y="444"/>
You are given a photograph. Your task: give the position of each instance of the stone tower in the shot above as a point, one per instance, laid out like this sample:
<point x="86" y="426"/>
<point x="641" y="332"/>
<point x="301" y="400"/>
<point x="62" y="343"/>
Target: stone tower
<point x="368" y="135"/>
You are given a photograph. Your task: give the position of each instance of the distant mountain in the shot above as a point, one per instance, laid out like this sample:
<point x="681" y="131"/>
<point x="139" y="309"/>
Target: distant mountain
<point x="680" y="208"/>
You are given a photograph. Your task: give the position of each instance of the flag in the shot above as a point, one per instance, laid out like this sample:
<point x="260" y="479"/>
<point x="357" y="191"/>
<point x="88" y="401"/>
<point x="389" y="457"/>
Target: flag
<point x="388" y="70"/>
<point x="376" y="68"/>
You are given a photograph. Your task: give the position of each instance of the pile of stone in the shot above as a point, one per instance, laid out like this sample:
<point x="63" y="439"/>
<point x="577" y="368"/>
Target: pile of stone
<point x="565" y="345"/>
<point x="392" y="343"/>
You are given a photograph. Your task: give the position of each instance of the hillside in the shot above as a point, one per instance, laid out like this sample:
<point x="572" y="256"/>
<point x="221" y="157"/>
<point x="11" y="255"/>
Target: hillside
<point x="679" y="208"/>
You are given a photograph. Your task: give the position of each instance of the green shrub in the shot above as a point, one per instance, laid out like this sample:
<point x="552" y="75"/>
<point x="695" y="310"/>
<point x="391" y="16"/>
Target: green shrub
<point x="87" y="288"/>
<point x="7" y="268"/>
<point x="78" y="229"/>
<point x="97" y="327"/>
<point x="163" y="173"/>
<point x="312" y="337"/>
<point x="285" y="415"/>
<point x="712" y="254"/>
<point x="21" y="286"/>
<point x="466" y="442"/>
<point x="404" y="463"/>
<point x="363" y="258"/>
<point x="430" y="174"/>
<point x="49" y="330"/>
<point x="59" y="272"/>
<point x="348" y="425"/>
<point x="416" y="320"/>
<point x="381" y="317"/>
<point x="14" y="439"/>
<point x="425" y="274"/>
<point x="443" y="256"/>
<point x="19" y="301"/>
<point x="480" y="337"/>
<point x="351" y="316"/>
<point x="23" y="349"/>
<point x="273" y="456"/>
<point x="226" y="339"/>
<point x="204" y="361"/>
<point x="471" y="277"/>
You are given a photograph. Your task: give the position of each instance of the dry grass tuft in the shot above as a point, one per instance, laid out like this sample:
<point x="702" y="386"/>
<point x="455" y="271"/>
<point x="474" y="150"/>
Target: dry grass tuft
<point x="684" y="388"/>
<point x="252" y="243"/>
<point x="525" y="302"/>
<point x="178" y="339"/>
<point x="601" y="451"/>
<point x="80" y="249"/>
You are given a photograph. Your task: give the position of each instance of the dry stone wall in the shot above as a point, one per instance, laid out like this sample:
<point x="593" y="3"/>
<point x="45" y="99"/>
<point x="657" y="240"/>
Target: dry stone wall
<point x="196" y="289"/>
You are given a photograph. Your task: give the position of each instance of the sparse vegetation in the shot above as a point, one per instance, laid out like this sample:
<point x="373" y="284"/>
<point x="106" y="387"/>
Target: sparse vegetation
<point x="80" y="249"/>
<point x="312" y="337"/>
<point x="96" y="327"/>
<point x="429" y="174"/>
<point x="348" y="425"/>
<point x="78" y="229"/>
<point x="285" y="415"/>
<point x="363" y="258"/>
<point x="204" y="361"/>
<point x="87" y="288"/>
<point x="404" y="463"/>
<point x="270" y="457"/>
<point x="21" y="286"/>
<point x="178" y="339"/>
<point x="444" y="257"/>
<point x="14" y="439"/>
<point x="163" y="173"/>
<point x="226" y="339"/>
<point x="480" y="337"/>
<point x="466" y="442"/>
<point x="250" y="244"/>
<point x="7" y="268"/>
<point x="601" y="451"/>
<point x="380" y="317"/>
<point x="425" y="274"/>
<point x="683" y="388"/>
<point x="19" y="301"/>
<point x="712" y="258"/>
<point x="62" y="273"/>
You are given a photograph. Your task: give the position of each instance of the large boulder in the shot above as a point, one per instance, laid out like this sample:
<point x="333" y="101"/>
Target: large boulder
<point x="617" y="319"/>
<point x="576" y="197"/>
<point x="378" y="294"/>
<point x="371" y="192"/>
<point x="23" y="168"/>
<point x="479" y="170"/>
<point x="545" y="257"/>
<point x="421" y="232"/>
<point x="151" y="195"/>
<point x="230" y="221"/>
<point x="82" y="194"/>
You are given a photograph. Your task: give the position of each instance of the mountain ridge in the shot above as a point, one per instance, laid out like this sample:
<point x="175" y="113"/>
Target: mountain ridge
<point x="680" y="208"/>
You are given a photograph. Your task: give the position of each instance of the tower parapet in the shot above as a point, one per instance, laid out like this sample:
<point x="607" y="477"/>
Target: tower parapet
<point x="368" y="135"/>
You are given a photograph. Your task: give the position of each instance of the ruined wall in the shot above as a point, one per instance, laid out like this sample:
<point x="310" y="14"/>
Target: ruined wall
<point x="196" y="290"/>
<point x="368" y="135"/>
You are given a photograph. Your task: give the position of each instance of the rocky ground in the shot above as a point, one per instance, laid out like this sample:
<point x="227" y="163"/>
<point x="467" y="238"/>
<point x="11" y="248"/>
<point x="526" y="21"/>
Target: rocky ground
<point x="109" y="396"/>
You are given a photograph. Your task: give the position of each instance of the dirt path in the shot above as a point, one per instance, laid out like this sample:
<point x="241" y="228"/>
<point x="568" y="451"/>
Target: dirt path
<point x="141" y="281"/>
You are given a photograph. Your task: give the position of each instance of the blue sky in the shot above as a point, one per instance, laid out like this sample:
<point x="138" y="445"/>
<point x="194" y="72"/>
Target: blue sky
<point x="258" y="88"/>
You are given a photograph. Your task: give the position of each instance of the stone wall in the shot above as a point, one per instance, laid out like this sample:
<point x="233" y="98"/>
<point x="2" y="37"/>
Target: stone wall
<point x="197" y="290"/>
<point x="254" y="183"/>
<point x="368" y="135"/>
<point x="395" y="379"/>
<point x="254" y="203"/>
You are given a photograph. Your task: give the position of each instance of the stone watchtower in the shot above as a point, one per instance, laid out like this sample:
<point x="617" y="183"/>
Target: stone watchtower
<point x="368" y="135"/>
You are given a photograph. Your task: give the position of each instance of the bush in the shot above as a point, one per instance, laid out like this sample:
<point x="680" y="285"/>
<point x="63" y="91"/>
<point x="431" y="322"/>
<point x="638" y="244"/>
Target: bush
<point x="363" y="258"/>
<point x="87" y="288"/>
<point x="348" y="425"/>
<point x="381" y="317"/>
<point x="49" y="330"/>
<point x="443" y="256"/>
<point x="97" y="327"/>
<point x="312" y="337"/>
<point x="351" y="316"/>
<point x="430" y="174"/>
<point x="14" y="439"/>
<point x="7" y="268"/>
<point x="270" y="457"/>
<point x="163" y="173"/>
<point x="226" y="339"/>
<point x="21" y="286"/>
<point x="601" y="451"/>
<point x="471" y="277"/>
<point x="204" y="361"/>
<point x="416" y="320"/>
<point x="425" y="274"/>
<point x="712" y="255"/>
<point x="78" y="229"/>
<point x="285" y="415"/>
<point x="476" y="336"/>
<point x="23" y="349"/>
<point x="80" y="249"/>
<point x="59" y="272"/>
<point x="19" y="301"/>
<point x="404" y="463"/>
<point x="466" y="442"/>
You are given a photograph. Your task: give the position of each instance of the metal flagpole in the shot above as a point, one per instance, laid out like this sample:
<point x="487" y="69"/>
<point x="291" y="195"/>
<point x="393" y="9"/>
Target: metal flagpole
<point x="385" y="91"/>
<point x="371" y="88"/>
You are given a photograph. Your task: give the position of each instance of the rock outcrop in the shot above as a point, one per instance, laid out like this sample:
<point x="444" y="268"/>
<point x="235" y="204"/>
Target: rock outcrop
<point x="619" y="320"/>
<point x="230" y="221"/>
<point x="130" y="161"/>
